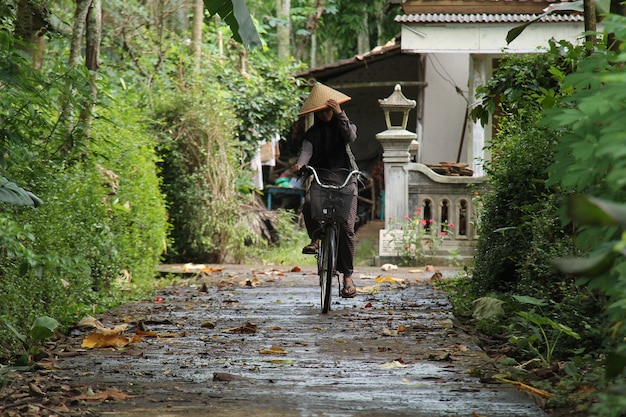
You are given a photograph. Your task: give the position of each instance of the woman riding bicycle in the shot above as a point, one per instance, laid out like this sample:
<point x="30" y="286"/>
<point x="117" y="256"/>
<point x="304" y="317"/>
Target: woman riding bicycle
<point x="326" y="148"/>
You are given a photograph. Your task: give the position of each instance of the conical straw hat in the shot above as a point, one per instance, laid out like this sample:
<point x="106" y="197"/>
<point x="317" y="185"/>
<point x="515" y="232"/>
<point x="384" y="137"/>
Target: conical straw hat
<point x="316" y="100"/>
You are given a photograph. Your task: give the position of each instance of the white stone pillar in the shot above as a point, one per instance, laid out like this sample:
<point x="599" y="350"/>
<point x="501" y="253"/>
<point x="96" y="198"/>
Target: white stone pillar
<point x="396" y="157"/>
<point x="479" y="70"/>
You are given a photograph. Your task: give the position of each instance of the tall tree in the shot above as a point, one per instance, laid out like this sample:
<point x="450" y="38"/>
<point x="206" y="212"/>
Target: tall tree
<point x="283" y="12"/>
<point x="196" y="33"/>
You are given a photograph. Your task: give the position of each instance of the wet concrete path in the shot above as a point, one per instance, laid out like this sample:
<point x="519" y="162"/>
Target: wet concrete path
<point x="255" y="344"/>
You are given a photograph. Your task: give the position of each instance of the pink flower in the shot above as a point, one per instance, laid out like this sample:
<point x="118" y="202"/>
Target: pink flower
<point x="443" y="233"/>
<point x="423" y="222"/>
<point x="406" y="246"/>
<point x="431" y="221"/>
<point x="407" y="218"/>
<point x="451" y="225"/>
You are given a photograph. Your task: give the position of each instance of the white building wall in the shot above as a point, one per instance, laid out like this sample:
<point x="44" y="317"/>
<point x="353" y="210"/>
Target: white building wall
<point x="444" y="107"/>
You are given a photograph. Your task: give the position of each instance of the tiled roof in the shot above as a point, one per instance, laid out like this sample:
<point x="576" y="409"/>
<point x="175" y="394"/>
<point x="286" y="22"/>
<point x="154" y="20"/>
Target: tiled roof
<point x="485" y="18"/>
<point x="412" y="7"/>
<point x="380" y="52"/>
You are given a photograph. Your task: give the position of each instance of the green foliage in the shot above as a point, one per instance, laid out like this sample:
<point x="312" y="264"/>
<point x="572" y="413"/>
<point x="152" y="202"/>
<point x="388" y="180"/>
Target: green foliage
<point x="536" y="332"/>
<point x="265" y="99"/>
<point x="103" y="215"/>
<point x="42" y="328"/>
<point x="525" y="83"/>
<point x="13" y="194"/>
<point x="236" y="15"/>
<point x="208" y="136"/>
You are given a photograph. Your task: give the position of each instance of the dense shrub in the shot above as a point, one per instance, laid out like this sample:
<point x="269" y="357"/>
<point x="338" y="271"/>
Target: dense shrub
<point x="520" y="231"/>
<point x="200" y="169"/>
<point x="101" y="228"/>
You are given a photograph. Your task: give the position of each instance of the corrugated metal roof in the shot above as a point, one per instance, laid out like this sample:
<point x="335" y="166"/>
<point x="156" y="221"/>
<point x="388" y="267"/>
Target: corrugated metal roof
<point x="485" y="18"/>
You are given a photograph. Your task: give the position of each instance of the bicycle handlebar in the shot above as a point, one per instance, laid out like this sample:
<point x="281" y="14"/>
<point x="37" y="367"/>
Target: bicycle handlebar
<point x="309" y="169"/>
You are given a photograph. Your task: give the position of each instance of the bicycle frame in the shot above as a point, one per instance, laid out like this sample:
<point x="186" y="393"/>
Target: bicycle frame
<point x="327" y="251"/>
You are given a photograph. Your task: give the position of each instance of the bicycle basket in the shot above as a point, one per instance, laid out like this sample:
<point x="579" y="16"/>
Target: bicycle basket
<point x="331" y="204"/>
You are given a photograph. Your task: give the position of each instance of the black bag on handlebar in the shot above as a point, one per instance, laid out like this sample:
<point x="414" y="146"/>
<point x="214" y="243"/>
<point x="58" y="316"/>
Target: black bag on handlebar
<point x="329" y="204"/>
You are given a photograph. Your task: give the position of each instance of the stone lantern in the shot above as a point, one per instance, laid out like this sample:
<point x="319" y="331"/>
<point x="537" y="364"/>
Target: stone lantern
<point x="396" y="141"/>
<point x="396" y="103"/>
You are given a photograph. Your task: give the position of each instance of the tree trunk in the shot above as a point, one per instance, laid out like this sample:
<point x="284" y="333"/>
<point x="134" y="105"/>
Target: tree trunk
<point x="30" y="26"/>
<point x="283" y="12"/>
<point x="80" y="20"/>
<point x="196" y="33"/>
<point x="363" y="39"/>
<point x="93" y="36"/>
<point x="589" y="11"/>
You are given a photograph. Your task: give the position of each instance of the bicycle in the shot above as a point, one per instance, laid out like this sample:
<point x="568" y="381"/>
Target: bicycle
<point x="330" y="205"/>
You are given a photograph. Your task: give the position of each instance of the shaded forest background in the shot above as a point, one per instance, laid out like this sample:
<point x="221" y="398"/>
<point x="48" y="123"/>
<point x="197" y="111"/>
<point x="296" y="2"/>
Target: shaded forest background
<point x="127" y="129"/>
<point x="130" y="126"/>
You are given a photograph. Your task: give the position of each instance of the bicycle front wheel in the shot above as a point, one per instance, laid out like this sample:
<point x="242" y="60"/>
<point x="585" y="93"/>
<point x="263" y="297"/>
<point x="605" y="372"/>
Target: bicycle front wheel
<point x="328" y="258"/>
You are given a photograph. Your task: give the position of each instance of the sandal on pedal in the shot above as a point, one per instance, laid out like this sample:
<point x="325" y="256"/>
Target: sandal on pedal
<point x="348" y="291"/>
<point x="310" y="249"/>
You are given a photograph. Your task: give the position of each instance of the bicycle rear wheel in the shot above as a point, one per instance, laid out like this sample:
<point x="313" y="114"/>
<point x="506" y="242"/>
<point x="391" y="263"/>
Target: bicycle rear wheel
<point x="328" y="253"/>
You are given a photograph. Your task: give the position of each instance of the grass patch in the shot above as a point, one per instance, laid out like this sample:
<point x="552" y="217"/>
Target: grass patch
<point x="366" y="250"/>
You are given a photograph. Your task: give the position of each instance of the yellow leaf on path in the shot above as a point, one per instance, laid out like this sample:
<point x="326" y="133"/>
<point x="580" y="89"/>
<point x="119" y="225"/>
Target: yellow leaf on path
<point x="416" y="271"/>
<point x="524" y="387"/>
<point x="370" y="289"/>
<point x="389" y="279"/>
<point x="274" y="350"/>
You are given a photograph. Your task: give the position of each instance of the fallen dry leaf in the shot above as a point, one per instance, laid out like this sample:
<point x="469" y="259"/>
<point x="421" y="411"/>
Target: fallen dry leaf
<point x="370" y="289"/>
<point x="274" y="350"/>
<point x="89" y="321"/>
<point x="99" y="340"/>
<point x="525" y="387"/>
<point x="248" y="328"/>
<point x="388" y="332"/>
<point x="110" y="394"/>
<point x="211" y="270"/>
<point x="224" y="377"/>
<point x="143" y="333"/>
<point x="389" y="279"/>
<point x="392" y="365"/>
